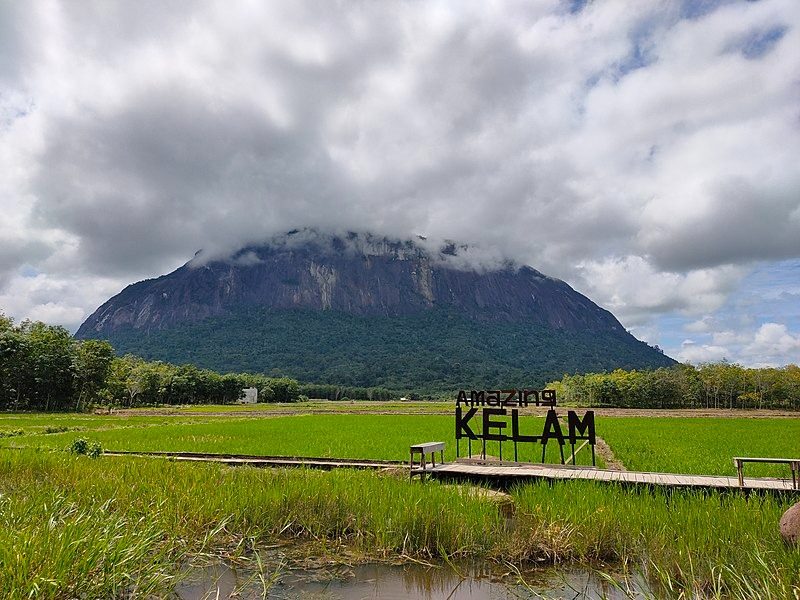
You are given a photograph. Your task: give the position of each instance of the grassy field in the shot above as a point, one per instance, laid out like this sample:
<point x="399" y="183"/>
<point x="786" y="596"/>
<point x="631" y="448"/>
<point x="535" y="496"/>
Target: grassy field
<point x="77" y="527"/>
<point x="382" y="437"/>
<point x="676" y="445"/>
<point x="701" y="446"/>
<point x="317" y="406"/>
<point x="43" y="424"/>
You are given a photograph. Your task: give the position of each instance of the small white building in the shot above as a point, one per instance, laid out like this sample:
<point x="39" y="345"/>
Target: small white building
<point x="250" y="396"/>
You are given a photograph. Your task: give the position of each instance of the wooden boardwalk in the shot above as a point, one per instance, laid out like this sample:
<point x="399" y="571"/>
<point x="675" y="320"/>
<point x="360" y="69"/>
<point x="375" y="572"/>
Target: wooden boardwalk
<point x="479" y="470"/>
<point x="475" y="469"/>
<point x="268" y="461"/>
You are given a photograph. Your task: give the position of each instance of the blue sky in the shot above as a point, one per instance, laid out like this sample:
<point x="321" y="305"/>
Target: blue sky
<point x="767" y="300"/>
<point x="644" y="152"/>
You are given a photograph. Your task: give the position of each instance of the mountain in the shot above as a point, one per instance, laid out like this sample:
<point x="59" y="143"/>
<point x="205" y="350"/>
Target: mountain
<point x="364" y="310"/>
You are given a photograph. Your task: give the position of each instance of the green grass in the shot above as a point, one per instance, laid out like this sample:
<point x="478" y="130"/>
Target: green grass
<point x="76" y="527"/>
<point x="701" y="445"/>
<point x="313" y="406"/>
<point x="44" y="423"/>
<point x="381" y="437"/>
<point x="675" y="445"/>
<point x="687" y="544"/>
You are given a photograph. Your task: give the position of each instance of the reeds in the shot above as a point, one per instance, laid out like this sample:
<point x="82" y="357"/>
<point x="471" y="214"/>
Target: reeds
<point x="75" y="527"/>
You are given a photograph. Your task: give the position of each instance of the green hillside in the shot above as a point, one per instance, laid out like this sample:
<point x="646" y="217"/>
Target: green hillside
<point x="433" y="351"/>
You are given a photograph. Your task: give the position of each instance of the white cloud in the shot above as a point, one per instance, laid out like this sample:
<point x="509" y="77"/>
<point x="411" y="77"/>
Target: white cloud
<point x="774" y="344"/>
<point x="700" y="353"/>
<point x="769" y="344"/>
<point x="54" y="300"/>
<point x="703" y="325"/>
<point x="647" y="158"/>
<point x="633" y="289"/>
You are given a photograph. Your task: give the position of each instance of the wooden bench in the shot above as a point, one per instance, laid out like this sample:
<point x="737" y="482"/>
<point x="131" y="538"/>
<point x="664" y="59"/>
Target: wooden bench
<point x="424" y="450"/>
<point x="794" y="465"/>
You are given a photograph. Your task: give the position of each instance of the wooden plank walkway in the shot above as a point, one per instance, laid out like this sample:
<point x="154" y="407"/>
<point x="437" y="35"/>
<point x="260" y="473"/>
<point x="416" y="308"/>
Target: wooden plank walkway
<point x="477" y="469"/>
<point x="268" y="461"/>
<point x="471" y="469"/>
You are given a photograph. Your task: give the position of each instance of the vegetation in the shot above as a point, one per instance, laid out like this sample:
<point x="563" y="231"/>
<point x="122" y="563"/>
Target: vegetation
<point x="43" y="368"/>
<point x="429" y="353"/>
<point x="75" y="527"/>
<point x="701" y="445"/>
<point x="641" y="443"/>
<point x="379" y="437"/>
<point x="322" y="391"/>
<point x="711" y="385"/>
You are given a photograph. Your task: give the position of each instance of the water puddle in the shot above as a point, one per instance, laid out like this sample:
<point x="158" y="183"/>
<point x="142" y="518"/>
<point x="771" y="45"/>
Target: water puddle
<point x="398" y="581"/>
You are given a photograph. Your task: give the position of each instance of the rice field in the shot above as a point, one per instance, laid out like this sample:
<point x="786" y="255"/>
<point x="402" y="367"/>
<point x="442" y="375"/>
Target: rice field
<point x="701" y="445"/>
<point x="77" y="527"/>
<point x="661" y="444"/>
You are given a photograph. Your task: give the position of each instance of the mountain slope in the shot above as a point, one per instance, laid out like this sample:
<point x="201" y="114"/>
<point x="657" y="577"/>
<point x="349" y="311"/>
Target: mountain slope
<point x="360" y="310"/>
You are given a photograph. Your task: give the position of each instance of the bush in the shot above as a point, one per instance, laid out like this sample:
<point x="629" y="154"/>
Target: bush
<point x="95" y="450"/>
<point x="84" y="446"/>
<point x="56" y="429"/>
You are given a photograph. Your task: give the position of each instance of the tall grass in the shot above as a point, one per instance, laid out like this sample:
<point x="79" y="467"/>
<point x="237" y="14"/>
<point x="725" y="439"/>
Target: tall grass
<point x="76" y="527"/>
<point x="686" y="543"/>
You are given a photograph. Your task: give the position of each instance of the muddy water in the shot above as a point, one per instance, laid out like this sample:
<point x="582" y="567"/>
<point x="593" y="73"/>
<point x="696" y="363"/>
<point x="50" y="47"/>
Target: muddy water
<point x="388" y="581"/>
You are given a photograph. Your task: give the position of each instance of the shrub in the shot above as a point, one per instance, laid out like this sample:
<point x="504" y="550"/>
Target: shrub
<point x="84" y="446"/>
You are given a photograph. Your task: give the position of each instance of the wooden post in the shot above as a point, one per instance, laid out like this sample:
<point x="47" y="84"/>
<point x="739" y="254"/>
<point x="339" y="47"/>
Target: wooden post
<point x="738" y="464"/>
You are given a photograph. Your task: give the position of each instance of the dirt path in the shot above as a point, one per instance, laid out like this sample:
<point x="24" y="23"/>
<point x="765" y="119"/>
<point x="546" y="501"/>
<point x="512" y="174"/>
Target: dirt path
<point x="604" y="451"/>
<point x="417" y="410"/>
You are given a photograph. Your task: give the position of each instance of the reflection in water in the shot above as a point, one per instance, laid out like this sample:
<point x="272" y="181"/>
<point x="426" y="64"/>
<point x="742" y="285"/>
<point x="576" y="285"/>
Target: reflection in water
<point x="388" y="581"/>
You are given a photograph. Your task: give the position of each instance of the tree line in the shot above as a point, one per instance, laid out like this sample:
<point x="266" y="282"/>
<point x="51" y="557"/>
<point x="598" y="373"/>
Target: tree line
<point x="711" y="385"/>
<point x="43" y="368"/>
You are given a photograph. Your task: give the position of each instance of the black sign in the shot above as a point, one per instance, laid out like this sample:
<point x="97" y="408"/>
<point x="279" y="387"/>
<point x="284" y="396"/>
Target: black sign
<point x="493" y="422"/>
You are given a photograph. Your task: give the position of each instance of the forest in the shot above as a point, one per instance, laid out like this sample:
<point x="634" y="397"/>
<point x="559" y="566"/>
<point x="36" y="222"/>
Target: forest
<point x="43" y="368"/>
<point x="721" y="385"/>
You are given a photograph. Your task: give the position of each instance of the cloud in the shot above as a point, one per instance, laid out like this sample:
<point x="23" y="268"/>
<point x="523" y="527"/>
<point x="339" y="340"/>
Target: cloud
<point x="691" y="352"/>
<point x="56" y="300"/>
<point x="774" y="344"/>
<point x="634" y="289"/>
<point x="644" y="152"/>
<point x="769" y="344"/>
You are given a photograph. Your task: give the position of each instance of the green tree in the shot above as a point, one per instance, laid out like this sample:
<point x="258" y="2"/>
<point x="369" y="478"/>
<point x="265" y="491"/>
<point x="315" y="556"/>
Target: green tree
<point x="92" y="366"/>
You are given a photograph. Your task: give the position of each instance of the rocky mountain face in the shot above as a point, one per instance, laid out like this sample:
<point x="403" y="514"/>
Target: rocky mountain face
<point x="358" y="310"/>
<point x="368" y="277"/>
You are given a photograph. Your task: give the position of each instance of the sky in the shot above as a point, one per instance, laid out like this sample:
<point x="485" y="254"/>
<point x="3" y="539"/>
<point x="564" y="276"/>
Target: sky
<point x="644" y="152"/>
